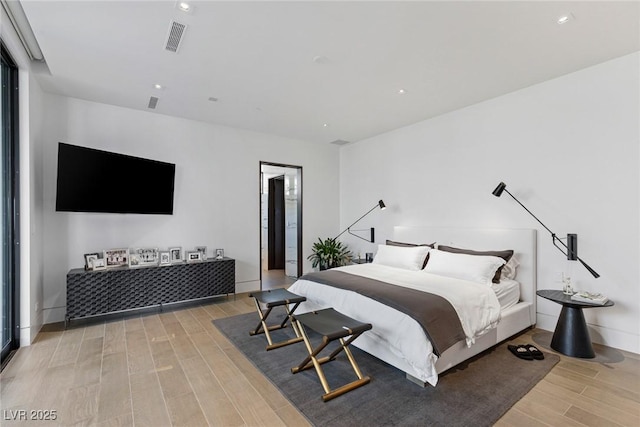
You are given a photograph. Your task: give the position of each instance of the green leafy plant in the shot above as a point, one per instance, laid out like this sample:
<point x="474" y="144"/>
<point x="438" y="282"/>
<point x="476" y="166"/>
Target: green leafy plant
<point x="329" y="253"/>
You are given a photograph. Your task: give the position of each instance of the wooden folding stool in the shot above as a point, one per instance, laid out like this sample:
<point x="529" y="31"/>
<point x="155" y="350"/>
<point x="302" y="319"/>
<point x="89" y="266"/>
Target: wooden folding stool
<point x="332" y="325"/>
<point x="275" y="298"/>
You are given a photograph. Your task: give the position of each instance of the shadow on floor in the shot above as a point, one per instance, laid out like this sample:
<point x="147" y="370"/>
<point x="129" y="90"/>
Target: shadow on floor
<point x="604" y="354"/>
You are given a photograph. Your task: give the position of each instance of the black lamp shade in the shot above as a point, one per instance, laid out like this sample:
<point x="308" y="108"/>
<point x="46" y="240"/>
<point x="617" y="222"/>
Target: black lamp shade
<point x="382" y="205"/>
<point x="499" y="189"/>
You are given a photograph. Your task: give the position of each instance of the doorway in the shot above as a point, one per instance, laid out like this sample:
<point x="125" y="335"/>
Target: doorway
<point x="276" y="224"/>
<point x="280" y="224"/>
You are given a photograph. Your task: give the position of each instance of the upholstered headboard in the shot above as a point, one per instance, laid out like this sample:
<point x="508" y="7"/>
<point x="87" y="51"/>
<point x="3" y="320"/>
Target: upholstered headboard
<point x="522" y="241"/>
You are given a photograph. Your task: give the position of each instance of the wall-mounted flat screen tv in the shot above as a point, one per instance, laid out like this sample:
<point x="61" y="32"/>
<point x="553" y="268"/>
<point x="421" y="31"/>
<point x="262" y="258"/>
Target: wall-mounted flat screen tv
<point x="91" y="180"/>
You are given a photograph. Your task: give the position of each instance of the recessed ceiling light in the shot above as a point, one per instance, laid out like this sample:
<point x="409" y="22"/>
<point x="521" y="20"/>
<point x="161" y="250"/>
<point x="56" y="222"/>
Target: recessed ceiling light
<point x="325" y="125"/>
<point x="401" y="91"/>
<point x="157" y="86"/>
<point x="565" y="18"/>
<point x="184" y="6"/>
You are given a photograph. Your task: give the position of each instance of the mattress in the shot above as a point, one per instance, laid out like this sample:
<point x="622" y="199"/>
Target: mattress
<point x="508" y="292"/>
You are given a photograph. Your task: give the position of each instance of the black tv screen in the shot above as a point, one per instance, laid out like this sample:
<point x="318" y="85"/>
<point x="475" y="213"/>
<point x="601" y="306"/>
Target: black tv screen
<point x="91" y="180"/>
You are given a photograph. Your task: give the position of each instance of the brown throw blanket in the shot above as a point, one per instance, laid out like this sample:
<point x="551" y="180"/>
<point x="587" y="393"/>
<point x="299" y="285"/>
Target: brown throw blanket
<point x="435" y="314"/>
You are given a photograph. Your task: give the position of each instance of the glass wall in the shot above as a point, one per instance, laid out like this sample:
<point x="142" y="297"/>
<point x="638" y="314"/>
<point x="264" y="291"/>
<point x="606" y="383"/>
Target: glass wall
<point x="9" y="165"/>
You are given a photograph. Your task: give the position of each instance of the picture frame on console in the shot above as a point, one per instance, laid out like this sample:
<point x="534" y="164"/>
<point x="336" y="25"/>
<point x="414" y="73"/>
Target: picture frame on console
<point x="116" y="258"/>
<point x="175" y="254"/>
<point x="194" y="256"/>
<point x="219" y="253"/>
<point x="145" y="256"/>
<point x="98" y="264"/>
<point x="203" y="251"/>
<point x="165" y="258"/>
<point x="134" y="260"/>
<point x="89" y="260"/>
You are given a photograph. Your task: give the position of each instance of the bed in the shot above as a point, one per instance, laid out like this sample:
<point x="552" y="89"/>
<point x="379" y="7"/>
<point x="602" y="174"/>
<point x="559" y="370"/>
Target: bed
<point x="398" y="339"/>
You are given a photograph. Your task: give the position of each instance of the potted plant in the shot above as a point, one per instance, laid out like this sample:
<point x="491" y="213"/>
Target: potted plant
<point x="329" y="253"/>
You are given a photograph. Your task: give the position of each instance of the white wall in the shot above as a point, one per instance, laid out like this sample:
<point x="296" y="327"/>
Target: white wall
<point x="35" y="219"/>
<point x="217" y="189"/>
<point x="568" y="149"/>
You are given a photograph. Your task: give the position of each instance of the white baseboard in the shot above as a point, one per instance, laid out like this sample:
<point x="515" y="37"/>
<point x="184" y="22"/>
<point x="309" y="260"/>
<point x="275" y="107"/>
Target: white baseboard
<point x="253" y="285"/>
<point x="25" y="336"/>
<point x="599" y="335"/>
<point x="53" y="315"/>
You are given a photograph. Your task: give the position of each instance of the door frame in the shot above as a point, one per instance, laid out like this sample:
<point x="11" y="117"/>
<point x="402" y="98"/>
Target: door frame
<point x="299" y="212"/>
<point x="11" y="133"/>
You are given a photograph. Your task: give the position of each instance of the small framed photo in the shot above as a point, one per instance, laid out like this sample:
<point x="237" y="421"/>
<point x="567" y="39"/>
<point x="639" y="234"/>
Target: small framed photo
<point x="175" y="254"/>
<point x="116" y="258"/>
<point x="145" y="256"/>
<point x="89" y="260"/>
<point x="203" y="251"/>
<point x="219" y="253"/>
<point x="98" y="264"/>
<point x="165" y="258"/>
<point x="194" y="256"/>
<point x="134" y="260"/>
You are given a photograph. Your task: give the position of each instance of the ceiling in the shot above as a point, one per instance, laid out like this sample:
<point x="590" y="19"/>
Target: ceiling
<point x="320" y="71"/>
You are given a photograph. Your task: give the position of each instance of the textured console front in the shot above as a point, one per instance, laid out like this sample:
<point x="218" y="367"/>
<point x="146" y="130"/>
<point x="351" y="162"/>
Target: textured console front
<point x="91" y="293"/>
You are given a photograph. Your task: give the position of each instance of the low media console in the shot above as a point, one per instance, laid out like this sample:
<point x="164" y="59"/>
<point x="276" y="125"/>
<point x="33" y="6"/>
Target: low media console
<point x="93" y="293"/>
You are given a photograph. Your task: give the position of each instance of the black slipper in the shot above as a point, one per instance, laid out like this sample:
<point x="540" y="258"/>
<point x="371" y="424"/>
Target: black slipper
<point x="520" y="351"/>
<point x="537" y="354"/>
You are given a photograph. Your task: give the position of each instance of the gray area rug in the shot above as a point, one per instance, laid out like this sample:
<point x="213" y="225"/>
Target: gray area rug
<point x="475" y="393"/>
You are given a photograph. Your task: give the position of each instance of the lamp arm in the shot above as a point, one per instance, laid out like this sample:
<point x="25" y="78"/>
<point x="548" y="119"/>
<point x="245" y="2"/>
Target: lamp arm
<point x="536" y="218"/>
<point x="356" y="221"/>
<point x="555" y="238"/>
<point x="591" y="270"/>
<point x="359" y="237"/>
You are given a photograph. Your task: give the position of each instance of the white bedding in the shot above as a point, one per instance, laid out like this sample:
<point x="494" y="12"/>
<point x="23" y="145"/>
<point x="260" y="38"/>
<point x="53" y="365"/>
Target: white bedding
<point x="508" y="292"/>
<point x="477" y="307"/>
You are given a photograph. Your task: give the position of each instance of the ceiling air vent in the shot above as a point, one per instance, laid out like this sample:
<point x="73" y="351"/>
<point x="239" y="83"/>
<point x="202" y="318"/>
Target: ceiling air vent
<point x="176" y="31"/>
<point x="153" y="102"/>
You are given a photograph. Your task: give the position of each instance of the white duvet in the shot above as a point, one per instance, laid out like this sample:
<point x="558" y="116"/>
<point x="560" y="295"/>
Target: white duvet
<point x="476" y="305"/>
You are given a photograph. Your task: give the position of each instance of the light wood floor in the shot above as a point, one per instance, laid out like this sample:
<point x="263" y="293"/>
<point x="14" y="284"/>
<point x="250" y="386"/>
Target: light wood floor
<point x="175" y="368"/>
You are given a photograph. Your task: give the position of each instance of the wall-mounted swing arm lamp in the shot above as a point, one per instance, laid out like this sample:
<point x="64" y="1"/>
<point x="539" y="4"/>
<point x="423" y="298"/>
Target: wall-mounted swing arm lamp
<point x="570" y="248"/>
<point x="382" y="206"/>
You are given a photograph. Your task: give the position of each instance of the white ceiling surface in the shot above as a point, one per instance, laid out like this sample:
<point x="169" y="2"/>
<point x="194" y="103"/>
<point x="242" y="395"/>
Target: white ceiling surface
<point x="257" y="58"/>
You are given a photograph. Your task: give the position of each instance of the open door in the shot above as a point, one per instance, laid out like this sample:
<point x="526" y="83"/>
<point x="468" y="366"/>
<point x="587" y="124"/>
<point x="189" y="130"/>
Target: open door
<point x="280" y="224"/>
<point x="276" y="224"/>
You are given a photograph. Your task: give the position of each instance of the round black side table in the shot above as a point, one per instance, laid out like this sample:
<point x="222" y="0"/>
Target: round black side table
<point x="571" y="336"/>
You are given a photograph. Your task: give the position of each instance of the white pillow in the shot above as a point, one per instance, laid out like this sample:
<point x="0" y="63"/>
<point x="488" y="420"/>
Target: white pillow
<point x="409" y="258"/>
<point x="475" y="268"/>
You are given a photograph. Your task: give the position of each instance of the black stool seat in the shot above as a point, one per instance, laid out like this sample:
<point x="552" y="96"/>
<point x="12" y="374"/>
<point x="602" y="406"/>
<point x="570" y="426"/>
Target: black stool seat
<point x="332" y="325"/>
<point x="275" y="298"/>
